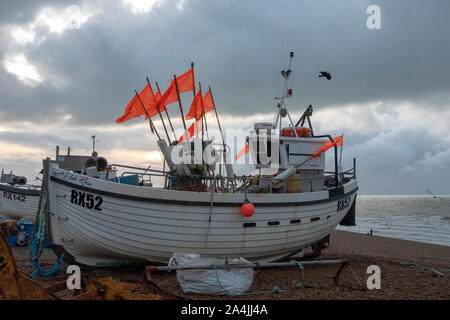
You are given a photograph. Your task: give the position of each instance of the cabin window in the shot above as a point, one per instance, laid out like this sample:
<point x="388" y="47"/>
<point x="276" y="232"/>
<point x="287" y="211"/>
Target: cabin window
<point x="249" y="224"/>
<point x="273" y="223"/>
<point x="295" y="221"/>
<point x="315" y="219"/>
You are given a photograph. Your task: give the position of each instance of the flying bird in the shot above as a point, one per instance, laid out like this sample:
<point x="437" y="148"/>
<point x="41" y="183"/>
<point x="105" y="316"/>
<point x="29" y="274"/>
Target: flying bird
<point x="325" y="74"/>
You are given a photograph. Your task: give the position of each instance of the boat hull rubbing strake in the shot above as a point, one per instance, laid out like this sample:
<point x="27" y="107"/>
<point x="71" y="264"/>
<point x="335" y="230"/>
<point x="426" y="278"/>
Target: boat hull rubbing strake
<point x="103" y="223"/>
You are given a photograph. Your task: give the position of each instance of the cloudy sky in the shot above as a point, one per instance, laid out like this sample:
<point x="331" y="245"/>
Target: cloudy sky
<point x="68" y="68"/>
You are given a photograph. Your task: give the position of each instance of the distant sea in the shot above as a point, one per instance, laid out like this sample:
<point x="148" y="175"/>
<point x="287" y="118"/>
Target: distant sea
<point x="416" y="218"/>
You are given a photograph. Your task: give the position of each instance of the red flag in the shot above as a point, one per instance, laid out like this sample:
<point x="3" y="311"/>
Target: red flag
<point x="337" y="141"/>
<point x="208" y="102"/>
<point x="244" y="151"/>
<point x="170" y="95"/>
<point x="158" y="97"/>
<point x="185" y="83"/>
<point x="132" y="110"/>
<point x="196" y="110"/>
<point x="150" y="101"/>
<point x="192" y="130"/>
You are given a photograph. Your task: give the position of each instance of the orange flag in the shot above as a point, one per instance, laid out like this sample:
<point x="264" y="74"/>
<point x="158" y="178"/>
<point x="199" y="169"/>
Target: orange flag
<point x="208" y="102"/>
<point x="191" y="130"/>
<point x="200" y="105"/>
<point x="158" y="98"/>
<point x="244" y="151"/>
<point x="150" y="101"/>
<point x="185" y="83"/>
<point x="196" y="110"/>
<point x="337" y="141"/>
<point x="134" y="108"/>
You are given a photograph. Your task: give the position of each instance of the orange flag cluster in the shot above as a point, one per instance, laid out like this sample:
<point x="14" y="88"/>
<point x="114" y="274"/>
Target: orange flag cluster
<point x="153" y="104"/>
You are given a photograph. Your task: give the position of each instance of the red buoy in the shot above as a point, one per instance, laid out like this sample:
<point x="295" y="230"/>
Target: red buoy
<point x="247" y="208"/>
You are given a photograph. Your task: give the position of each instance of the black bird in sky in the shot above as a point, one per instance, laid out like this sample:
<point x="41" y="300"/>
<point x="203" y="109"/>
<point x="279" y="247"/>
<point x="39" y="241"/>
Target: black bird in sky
<point x="325" y="74"/>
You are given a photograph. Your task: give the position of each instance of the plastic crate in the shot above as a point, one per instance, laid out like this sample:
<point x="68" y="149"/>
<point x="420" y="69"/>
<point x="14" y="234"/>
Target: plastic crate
<point x="11" y="240"/>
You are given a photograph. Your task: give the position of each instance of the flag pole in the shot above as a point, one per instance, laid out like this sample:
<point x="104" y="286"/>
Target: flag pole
<point x="193" y="77"/>
<point x="181" y="108"/>
<point x="168" y="117"/>
<point x="217" y="117"/>
<point x="152" y="126"/>
<point x="203" y="109"/>
<point x="203" y="113"/>
<point x="220" y="127"/>
<point x="159" y="111"/>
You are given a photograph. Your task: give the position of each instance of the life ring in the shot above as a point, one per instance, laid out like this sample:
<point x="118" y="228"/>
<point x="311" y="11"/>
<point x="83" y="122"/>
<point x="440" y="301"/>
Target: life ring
<point x="301" y="132"/>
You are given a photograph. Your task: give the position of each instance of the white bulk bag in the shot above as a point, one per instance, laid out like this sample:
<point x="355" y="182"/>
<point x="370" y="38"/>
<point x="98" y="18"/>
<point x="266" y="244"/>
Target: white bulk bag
<point x="212" y="281"/>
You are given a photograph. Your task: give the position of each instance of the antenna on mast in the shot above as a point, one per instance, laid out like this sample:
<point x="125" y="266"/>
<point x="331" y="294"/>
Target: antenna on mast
<point x="94" y="153"/>
<point x="282" y="111"/>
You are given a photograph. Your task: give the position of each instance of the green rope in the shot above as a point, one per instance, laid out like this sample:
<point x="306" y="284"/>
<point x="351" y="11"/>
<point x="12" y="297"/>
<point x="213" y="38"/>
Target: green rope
<point x="36" y="247"/>
<point x="304" y="284"/>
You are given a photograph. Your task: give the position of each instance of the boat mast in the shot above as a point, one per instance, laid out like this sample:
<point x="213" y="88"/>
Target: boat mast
<point x="94" y="154"/>
<point x="282" y="109"/>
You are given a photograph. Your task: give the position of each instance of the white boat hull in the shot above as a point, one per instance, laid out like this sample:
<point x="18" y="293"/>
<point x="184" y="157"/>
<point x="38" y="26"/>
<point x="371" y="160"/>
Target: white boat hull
<point x="18" y="203"/>
<point x="134" y="224"/>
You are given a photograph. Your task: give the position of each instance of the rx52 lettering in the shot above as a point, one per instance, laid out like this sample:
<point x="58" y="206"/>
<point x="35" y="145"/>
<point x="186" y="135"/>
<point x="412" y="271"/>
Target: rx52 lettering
<point x="343" y="204"/>
<point x="13" y="196"/>
<point x="86" y="200"/>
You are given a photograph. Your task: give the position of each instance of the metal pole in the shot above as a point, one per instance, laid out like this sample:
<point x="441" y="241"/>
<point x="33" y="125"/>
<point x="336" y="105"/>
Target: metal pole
<point x="245" y="266"/>
<point x="149" y="118"/>
<point x="220" y="128"/>
<point x="181" y="109"/>
<point x="193" y="77"/>
<point x="159" y="112"/>
<point x="203" y="112"/>
<point x="168" y="117"/>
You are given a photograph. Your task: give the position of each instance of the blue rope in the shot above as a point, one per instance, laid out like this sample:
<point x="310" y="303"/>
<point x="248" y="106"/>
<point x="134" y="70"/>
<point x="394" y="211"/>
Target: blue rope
<point x="36" y="245"/>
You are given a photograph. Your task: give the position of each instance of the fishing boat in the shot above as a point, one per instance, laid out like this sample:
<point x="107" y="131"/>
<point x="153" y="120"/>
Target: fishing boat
<point x="19" y="200"/>
<point x="99" y="218"/>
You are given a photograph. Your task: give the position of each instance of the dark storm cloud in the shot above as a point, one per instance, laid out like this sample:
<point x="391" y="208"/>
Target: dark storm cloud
<point x="239" y="47"/>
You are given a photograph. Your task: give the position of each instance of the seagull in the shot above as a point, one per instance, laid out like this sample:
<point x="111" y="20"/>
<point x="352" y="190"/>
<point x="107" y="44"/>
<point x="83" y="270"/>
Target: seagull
<point x="325" y="74"/>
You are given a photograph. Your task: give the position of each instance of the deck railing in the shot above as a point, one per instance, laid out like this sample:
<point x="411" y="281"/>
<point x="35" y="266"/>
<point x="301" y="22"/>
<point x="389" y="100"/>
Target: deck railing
<point x="233" y="184"/>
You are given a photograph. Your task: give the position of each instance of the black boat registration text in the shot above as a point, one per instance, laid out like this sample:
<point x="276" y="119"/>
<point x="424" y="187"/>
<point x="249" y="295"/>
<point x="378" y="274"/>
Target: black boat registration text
<point x="86" y="200"/>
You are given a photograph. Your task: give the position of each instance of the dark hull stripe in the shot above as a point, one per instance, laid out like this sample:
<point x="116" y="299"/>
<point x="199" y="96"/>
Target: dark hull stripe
<point x="197" y="203"/>
<point x="28" y="192"/>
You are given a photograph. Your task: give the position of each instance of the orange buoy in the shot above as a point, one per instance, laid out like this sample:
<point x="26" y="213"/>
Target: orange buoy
<point x="247" y="208"/>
